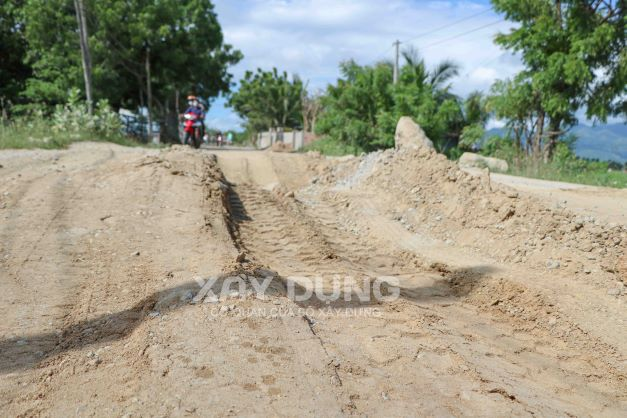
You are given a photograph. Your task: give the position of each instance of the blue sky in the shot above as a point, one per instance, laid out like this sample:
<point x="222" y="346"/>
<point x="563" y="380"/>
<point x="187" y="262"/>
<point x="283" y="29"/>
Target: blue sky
<point x="311" y="37"/>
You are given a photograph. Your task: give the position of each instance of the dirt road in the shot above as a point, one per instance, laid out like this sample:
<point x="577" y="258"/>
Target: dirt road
<point x="104" y="251"/>
<point x="600" y="202"/>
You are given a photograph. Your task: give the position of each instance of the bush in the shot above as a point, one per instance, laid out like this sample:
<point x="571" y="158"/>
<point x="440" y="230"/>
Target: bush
<point x="330" y="146"/>
<point x="68" y="123"/>
<point x="73" y="118"/>
<point x="565" y="165"/>
<point x="502" y="148"/>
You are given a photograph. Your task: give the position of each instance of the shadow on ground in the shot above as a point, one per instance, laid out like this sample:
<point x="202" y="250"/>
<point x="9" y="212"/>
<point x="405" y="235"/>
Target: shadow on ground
<point x="27" y="351"/>
<point x="23" y="352"/>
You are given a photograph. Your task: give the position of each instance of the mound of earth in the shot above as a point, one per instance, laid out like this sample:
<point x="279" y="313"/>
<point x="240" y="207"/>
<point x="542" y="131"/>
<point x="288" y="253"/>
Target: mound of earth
<point x="431" y="194"/>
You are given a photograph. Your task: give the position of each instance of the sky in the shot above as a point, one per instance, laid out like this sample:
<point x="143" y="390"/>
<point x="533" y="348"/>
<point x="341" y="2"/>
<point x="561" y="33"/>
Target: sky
<point x="311" y="37"/>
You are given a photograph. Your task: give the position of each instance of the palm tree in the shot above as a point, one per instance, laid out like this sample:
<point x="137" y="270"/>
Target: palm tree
<point x="442" y="73"/>
<point x="437" y="77"/>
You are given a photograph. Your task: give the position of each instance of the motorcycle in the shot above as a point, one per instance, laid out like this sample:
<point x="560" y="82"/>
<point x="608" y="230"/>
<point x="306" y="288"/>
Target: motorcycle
<point x="192" y="129"/>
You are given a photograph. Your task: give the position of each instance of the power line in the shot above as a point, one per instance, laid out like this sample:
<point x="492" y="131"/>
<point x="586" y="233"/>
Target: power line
<point x="484" y="62"/>
<point x="382" y="55"/>
<point x="462" y="34"/>
<point x="448" y="25"/>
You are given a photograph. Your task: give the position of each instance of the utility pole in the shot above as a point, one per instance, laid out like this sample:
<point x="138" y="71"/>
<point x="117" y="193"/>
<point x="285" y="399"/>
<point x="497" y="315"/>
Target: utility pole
<point x="79" y="6"/>
<point x="149" y="93"/>
<point x="396" y="44"/>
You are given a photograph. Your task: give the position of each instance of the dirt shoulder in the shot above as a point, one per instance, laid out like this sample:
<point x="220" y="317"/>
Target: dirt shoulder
<point x="602" y="203"/>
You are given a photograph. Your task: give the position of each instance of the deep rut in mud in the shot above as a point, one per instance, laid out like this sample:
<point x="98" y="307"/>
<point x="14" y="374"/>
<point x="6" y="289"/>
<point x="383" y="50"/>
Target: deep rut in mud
<point x="429" y="333"/>
<point x="276" y="231"/>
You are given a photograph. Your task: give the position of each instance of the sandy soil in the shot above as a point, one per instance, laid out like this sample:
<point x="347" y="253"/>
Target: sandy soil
<point x="104" y="250"/>
<point x="603" y="203"/>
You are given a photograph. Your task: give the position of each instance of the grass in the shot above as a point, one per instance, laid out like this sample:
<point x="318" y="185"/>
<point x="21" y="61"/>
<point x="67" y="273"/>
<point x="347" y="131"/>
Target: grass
<point x="591" y="176"/>
<point x="38" y="134"/>
<point x="328" y="146"/>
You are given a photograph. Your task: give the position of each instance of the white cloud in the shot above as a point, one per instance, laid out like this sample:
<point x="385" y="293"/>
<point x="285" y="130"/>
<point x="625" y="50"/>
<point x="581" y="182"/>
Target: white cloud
<point x="311" y="37"/>
<point x="495" y="123"/>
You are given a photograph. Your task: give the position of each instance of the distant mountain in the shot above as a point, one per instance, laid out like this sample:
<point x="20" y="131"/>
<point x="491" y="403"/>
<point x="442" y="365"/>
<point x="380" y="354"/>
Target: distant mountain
<point x="603" y="142"/>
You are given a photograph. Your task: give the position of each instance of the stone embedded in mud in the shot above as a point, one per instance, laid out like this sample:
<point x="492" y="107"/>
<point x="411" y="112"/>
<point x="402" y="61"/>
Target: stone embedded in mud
<point x="410" y="135"/>
<point x="218" y="185"/>
<point x="618" y="290"/>
<point x="472" y="160"/>
<point x="240" y="257"/>
<point x="552" y="264"/>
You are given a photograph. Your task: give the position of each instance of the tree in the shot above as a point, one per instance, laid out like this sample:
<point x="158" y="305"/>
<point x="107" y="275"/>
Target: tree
<point x="311" y="108"/>
<point x="53" y="51"/>
<point x="476" y="116"/>
<point x="362" y="109"/>
<point x="516" y="102"/>
<point x="355" y="106"/>
<point x="574" y="56"/>
<point x="269" y="99"/>
<point x="179" y="41"/>
<point x="13" y="70"/>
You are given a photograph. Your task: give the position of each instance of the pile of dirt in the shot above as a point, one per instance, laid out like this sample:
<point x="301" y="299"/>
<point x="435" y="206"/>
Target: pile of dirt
<point x="429" y="193"/>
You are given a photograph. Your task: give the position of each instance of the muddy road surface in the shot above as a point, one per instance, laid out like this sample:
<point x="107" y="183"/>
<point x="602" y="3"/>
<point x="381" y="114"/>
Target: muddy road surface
<point x="205" y="283"/>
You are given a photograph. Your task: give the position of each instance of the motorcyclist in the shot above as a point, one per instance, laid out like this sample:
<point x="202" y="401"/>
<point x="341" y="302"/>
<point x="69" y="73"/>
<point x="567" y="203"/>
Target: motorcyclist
<point x="196" y="110"/>
<point x="201" y="106"/>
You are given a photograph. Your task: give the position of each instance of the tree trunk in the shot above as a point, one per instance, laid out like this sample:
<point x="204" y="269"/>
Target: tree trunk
<point x="537" y="138"/>
<point x="553" y="135"/>
<point x="79" y="6"/>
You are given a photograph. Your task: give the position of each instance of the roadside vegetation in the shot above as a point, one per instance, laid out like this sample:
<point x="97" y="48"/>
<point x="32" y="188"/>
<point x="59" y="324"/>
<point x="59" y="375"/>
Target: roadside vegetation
<point x="563" y="166"/>
<point x="135" y="55"/>
<point x="68" y="123"/>
<point x="574" y="60"/>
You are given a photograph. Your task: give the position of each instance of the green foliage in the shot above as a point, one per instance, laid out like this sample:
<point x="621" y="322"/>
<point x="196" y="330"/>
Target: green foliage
<point x="356" y="109"/>
<point x="269" y="99"/>
<point x="574" y="55"/>
<point x="242" y="137"/>
<point x="187" y="52"/>
<point x="471" y="134"/>
<point x="13" y="70"/>
<point x="72" y="118"/>
<point x="573" y="170"/>
<point x="36" y="131"/>
<point x="182" y="40"/>
<point x="329" y="146"/>
<point x="362" y="109"/>
<point x="502" y="148"/>
<point x="52" y="52"/>
<point x="68" y="123"/>
<point x="565" y="165"/>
